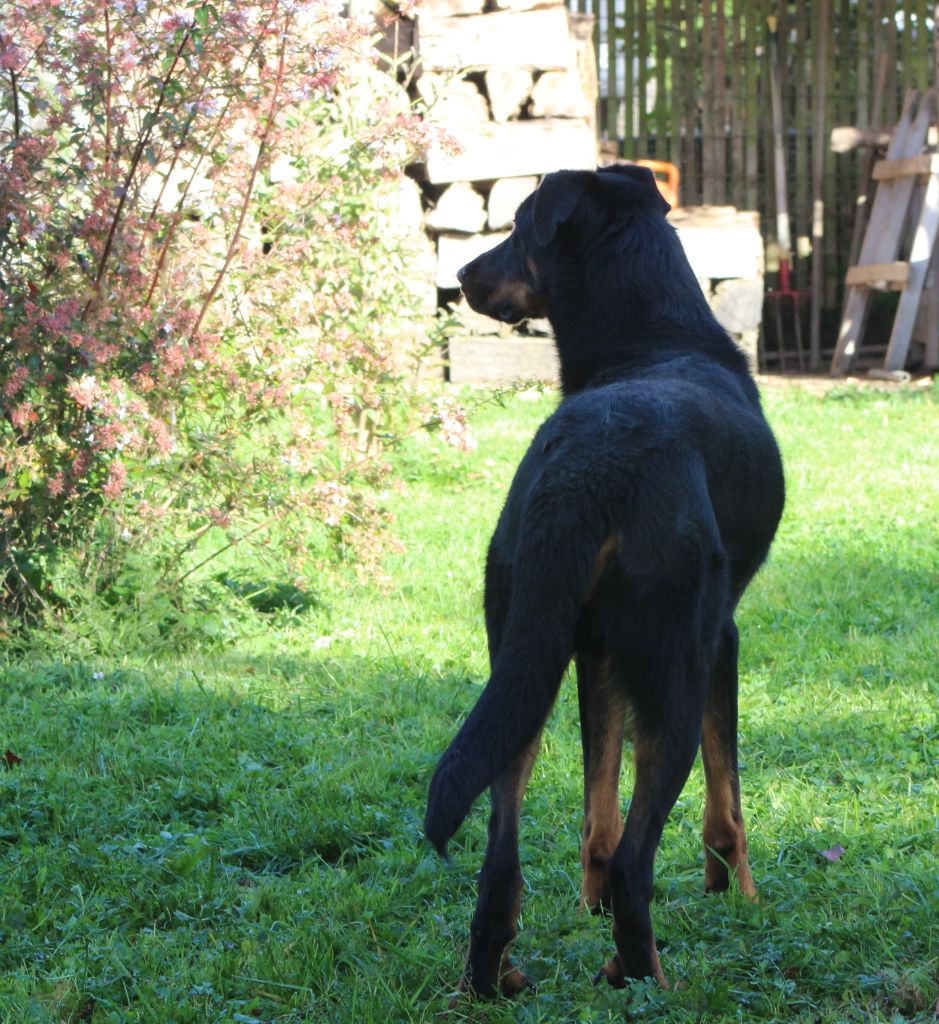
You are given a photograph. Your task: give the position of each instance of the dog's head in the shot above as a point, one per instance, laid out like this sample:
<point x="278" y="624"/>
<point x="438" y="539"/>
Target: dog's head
<point x="515" y="280"/>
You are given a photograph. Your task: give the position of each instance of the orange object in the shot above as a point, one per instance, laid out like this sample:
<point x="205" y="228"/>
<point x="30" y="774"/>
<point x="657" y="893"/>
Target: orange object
<point x="668" y="185"/>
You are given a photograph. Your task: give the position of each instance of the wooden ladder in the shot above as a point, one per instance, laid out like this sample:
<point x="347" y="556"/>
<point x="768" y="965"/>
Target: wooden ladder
<point x="879" y="265"/>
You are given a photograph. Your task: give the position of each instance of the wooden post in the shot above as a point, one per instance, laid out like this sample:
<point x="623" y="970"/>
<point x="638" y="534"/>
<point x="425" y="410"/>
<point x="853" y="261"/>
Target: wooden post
<point x="818" y="182"/>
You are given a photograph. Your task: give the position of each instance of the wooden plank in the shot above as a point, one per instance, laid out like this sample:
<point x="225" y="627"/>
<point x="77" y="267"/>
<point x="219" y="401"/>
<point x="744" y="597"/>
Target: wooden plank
<point x="924" y="241"/>
<point x="882" y="238"/>
<point x="502" y="360"/>
<point x="709" y="191"/>
<point x="513" y="150"/>
<point x="861" y="64"/>
<point x="895" y="272"/>
<point x="802" y="198"/>
<point x="537" y="40"/>
<point x="895" y="84"/>
<point x="931" y="358"/>
<point x="862" y="205"/>
<point x="752" y="118"/>
<point x="833" y="254"/>
<point x="906" y="41"/>
<point x="720" y="242"/>
<point x="820" y="55"/>
<point x="734" y="104"/>
<point x="682" y="75"/>
<point x="720" y="102"/>
<point x="905" y="166"/>
<point x="692" y="178"/>
<point x="617" y="74"/>
<point x="641" y="126"/>
<point x="662" y="105"/>
<point x="676" y="117"/>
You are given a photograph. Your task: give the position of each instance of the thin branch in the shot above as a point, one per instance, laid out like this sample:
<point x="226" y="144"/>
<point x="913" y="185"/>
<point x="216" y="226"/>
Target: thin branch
<point x="386" y="443"/>
<point x="132" y="169"/>
<point x="16" y="104"/>
<point x="229" y="255"/>
<point x="109" y="40"/>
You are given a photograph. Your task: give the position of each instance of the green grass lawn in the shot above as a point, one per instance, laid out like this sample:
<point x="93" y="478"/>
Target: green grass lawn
<point x="235" y="835"/>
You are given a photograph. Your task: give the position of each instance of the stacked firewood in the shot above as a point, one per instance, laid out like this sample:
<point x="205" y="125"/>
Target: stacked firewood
<point x="516" y="88"/>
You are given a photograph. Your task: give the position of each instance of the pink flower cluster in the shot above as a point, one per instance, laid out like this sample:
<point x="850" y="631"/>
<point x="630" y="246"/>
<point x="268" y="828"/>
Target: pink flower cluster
<point x="177" y="315"/>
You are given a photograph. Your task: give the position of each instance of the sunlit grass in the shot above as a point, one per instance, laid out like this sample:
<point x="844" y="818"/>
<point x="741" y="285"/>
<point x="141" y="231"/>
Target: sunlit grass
<point x="235" y="835"/>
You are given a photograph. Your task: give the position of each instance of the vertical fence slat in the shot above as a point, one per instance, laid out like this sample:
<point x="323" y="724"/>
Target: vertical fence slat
<point x="801" y="56"/>
<point x="708" y="175"/>
<point x="676" y="147"/>
<point x="689" y="81"/>
<point x="641" y="127"/>
<point x="720" y="104"/>
<point x="752" y="179"/>
<point x="692" y="63"/>
<point x="735" y="105"/>
<point x="629" y="85"/>
<point x="663" y="105"/>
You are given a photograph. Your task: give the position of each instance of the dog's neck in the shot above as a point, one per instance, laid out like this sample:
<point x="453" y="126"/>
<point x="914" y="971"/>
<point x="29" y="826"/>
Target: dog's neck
<point x="643" y="309"/>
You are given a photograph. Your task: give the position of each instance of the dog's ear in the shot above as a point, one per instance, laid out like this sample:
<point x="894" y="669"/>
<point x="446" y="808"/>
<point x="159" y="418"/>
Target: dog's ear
<point x="555" y="201"/>
<point x="638" y="182"/>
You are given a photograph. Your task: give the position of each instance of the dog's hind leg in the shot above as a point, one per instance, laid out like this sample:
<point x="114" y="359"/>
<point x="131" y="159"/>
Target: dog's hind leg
<point x="664" y="753"/>
<point x="725" y="839"/>
<point x="488" y="968"/>
<point x="602" y="720"/>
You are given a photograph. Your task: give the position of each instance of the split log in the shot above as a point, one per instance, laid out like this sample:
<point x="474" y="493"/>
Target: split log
<point x="508" y="89"/>
<point x="513" y="150"/>
<point x="449" y="8"/>
<point x="453" y="251"/>
<point x="738" y="304"/>
<point x="520" y="5"/>
<point x="452" y="101"/>
<point x="846" y="138"/>
<point x="560" y="94"/>
<point x="502" y="360"/>
<point x="475" y="325"/>
<point x="460" y="208"/>
<point x="505" y="198"/>
<point x="720" y="241"/>
<point x="536" y="40"/>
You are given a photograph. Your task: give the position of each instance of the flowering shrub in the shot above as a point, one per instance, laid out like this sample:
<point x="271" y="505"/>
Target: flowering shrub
<point x="202" y="301"/>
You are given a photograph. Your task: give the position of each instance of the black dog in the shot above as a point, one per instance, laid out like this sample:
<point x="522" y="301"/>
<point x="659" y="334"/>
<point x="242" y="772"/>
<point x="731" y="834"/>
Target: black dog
<point x="636" y="519"/>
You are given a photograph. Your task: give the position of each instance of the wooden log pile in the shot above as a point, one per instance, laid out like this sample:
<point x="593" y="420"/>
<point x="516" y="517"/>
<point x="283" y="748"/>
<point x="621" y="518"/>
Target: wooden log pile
<point x="516" y="88"/>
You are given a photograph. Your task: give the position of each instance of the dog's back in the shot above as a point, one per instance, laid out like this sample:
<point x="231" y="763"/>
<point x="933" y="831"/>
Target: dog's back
<point x="640" y="512"/>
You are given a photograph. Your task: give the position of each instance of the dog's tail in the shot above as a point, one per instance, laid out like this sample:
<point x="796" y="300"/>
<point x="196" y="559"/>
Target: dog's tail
<point x="537" y="645"/>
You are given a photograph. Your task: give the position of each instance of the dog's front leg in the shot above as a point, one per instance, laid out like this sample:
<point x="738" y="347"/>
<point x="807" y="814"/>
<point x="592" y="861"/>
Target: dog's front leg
<point x="488" y="968"/>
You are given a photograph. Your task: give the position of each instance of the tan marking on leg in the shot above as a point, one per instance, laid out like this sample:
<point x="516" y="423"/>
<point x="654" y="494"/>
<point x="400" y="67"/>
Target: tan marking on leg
<point x="725" y="838"/>
<point x="603" y="822"/>
<point x="602" y="725"/>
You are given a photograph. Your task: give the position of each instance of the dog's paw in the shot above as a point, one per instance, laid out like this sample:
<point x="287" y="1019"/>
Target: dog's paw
<point x="612" y="972"/>
<point x="616" y="975"/>
<point x="512" y="982"/>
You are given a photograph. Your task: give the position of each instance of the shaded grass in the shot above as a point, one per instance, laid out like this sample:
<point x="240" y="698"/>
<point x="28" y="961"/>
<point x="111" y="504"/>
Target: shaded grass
<point x="236" y="836"/>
